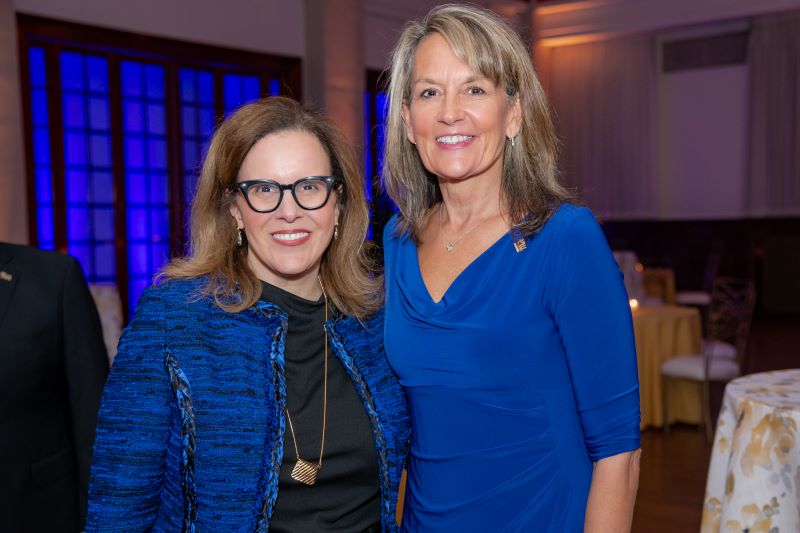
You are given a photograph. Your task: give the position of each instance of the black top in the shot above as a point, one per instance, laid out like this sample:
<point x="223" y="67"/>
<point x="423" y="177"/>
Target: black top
<point x="346" y="496"/>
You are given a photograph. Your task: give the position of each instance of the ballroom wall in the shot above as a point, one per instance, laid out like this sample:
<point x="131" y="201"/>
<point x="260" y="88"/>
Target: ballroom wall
<point x="700" y="130"/>
<point x="702" y="143"/>
<point x="13" y="220"/>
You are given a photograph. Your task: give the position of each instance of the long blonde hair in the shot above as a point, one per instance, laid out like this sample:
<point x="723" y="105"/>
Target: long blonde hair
<point x="485" y="42"/>
<point x="345" y="270"/>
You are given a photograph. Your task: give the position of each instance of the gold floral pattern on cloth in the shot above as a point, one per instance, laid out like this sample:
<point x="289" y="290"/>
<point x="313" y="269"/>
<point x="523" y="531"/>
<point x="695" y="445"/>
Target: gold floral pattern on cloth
<point x="754" y="477"/>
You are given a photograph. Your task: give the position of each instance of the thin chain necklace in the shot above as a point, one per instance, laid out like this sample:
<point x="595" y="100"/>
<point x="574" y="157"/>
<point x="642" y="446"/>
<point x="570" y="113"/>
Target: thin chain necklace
<point x="304" y="471"/>
<point x="450" y="244"/>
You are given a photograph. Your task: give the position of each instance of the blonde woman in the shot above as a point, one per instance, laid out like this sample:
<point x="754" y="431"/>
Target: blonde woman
<point x="251" y="390"/>
<point x="506" y="317"/>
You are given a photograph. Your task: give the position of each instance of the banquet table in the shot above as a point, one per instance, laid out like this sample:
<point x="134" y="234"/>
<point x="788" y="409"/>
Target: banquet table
<point x="662" y="332"/>
<point x="754" y="476"/>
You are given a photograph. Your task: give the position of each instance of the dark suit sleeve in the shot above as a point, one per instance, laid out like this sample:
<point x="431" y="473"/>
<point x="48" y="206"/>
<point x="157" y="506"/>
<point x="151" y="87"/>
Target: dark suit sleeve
<point x="86" y="365"/>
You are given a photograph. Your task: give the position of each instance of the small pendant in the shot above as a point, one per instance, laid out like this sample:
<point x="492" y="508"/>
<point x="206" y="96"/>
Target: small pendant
<point x="305" y="472"/>
<point x="449" y="246"/>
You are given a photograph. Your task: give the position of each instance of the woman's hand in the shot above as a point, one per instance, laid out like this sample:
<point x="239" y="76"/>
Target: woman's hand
<point x="613" y="493"/>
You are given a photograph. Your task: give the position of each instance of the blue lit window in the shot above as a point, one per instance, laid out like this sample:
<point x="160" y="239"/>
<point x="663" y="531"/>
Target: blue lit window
<point x="144" y="134"/>
<point x="197" y="120"/>
<point x="87" y="164"/>
<point x="274" y="87"/>
<point x="42" y="162"/>
<point x="116" y="131"/>
<point x="375" y="109"/>
<point x="238" y="89"/>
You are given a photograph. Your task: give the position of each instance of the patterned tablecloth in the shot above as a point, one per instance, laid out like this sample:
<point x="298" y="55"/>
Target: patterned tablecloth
<point x="754" y="477"/>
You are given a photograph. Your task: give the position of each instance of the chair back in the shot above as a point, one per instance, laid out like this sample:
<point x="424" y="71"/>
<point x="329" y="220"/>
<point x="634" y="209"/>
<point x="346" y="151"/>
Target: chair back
<point x="731" y="313"/>
<point x="109" y="307"/>
<point x="631" y="269"/>
<point x="712" y="267"/>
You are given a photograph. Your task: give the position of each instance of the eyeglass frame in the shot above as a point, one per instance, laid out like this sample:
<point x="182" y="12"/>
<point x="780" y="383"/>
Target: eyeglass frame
<point x="242" y="186"/>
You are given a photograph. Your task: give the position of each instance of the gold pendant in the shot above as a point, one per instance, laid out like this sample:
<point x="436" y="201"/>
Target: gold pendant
<point x="305" y="472"/>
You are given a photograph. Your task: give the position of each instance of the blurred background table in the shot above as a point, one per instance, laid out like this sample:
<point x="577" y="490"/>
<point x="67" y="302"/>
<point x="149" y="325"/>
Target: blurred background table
<point x="754" y="476"/>
<point x="662" y="332"/>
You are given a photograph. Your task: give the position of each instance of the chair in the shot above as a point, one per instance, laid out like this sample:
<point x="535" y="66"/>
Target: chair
<point x="631" y="270"/>
<point x="702" y="298"/>
<point x="730" y="314"/>
<point x="659" y="283"/>
<point x="109" y="307"/>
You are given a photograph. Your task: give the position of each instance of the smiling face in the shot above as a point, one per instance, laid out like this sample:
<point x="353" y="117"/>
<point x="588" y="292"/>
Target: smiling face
<point x="285" y="247"/>
<point x="458" y="119"/>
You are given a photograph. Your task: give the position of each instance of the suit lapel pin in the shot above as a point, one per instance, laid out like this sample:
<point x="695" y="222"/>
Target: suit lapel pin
<point x="5" y="276"/>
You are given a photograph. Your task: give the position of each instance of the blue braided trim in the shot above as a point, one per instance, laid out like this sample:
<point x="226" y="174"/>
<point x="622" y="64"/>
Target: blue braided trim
<point x="387" y="512"/>
<point x="270" y="470"/>
<point x="180" y="387"/>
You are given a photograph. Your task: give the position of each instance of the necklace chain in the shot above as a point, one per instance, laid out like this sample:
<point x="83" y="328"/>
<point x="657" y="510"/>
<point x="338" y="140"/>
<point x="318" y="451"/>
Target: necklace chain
<point x="450" y="244"/>
<point x="304" y="471"/>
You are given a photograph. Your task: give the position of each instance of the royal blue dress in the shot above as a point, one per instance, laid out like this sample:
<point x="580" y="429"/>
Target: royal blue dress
<point x="518" y="379"/>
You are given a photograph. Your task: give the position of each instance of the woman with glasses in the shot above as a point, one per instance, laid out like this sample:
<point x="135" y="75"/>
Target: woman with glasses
<point x="251" y="391"/>
<point x="506" y="318"/>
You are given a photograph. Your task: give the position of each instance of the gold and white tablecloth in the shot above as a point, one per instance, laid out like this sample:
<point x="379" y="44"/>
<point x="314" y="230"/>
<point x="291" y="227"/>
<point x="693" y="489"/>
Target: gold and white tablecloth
<point x="754" y="476"/>
<point x="662" y="332"/>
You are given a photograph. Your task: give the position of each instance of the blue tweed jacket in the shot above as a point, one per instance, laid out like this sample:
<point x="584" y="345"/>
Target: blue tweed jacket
<point x="191" y="426"/>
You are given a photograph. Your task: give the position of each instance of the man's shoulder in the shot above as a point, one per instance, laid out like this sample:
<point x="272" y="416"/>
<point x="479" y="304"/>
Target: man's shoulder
<point x="30" y="256"/>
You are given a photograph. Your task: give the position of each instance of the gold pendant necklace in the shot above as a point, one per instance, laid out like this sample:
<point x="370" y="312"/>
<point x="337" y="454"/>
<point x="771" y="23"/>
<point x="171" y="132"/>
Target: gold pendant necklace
<point x="304" y="471"/>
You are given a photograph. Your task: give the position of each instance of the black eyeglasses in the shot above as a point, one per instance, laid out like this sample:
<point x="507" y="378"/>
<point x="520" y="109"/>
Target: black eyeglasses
<point x="265" y="196"/>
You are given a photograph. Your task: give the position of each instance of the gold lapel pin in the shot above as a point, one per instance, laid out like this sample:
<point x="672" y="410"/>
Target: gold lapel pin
<point x="5" y="276"/>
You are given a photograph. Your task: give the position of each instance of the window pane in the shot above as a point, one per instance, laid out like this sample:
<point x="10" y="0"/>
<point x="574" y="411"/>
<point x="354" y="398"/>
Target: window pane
<point x="154" y="75"/>
<point x="76" y="149"/>
<point x="156" y="117"/>
<point x="133" y="117"/>
<point x="137" y="223"/>
<point x="103" y="221"/>
<point x="77" y="186"/>
<point x="72" y="71"/>
<point x="131" y="73"/>
<point x="98" y="113"/>
<point x="74" y="112"/>
<point x="78" y="228"/>
<point x="44" y="185"/>
<point x="39" y="107"/>
<point x="134" y="152"/>
<point x="103" y="187"/>
<point x="97" y="70"/>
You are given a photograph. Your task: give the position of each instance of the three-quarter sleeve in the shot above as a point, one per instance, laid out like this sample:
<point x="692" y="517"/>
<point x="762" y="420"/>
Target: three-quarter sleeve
<point x="133" y="425"/>
<point x="593" y="317"/>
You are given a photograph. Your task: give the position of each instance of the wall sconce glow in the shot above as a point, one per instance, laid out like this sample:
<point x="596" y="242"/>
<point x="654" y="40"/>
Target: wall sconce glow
<point x="634" y="303"/>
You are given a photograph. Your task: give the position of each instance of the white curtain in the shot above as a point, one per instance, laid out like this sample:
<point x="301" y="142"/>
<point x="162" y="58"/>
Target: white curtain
<point x="773" y="180"/>
<point x="603" y="94"/>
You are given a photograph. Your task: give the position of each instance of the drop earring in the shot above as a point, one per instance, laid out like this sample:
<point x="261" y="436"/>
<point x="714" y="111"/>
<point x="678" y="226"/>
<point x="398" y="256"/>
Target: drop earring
<point x="239" y="237"/>
<point x="336" y="231"/>
<point x="513" y="141"/>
